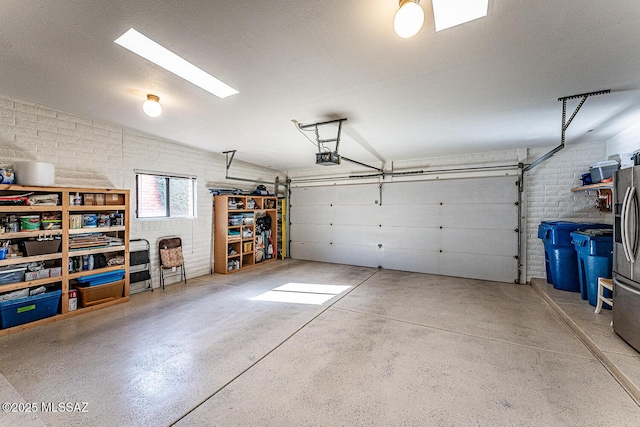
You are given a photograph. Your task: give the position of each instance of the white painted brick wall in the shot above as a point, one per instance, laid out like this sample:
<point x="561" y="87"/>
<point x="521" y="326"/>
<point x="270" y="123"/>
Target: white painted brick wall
<point x="548" y="195"/>
<point x="88" y="153"/>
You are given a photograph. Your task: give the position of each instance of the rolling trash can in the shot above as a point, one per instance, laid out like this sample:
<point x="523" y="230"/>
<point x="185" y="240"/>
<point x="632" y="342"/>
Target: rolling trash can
<point x="560" y="256"/>
<point x="595" y="259"/>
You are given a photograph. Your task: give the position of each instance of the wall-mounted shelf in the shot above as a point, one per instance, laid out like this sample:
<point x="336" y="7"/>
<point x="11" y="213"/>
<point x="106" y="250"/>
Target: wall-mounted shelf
<point x="598" y="186"/>
<point x="604" y="201"/>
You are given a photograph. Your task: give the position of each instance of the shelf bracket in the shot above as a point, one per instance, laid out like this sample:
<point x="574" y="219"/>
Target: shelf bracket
<point x="565" y="123"/>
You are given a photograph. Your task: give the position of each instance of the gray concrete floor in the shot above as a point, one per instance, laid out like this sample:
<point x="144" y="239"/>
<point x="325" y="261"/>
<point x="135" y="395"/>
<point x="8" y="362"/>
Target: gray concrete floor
<point x="395" y="349"/>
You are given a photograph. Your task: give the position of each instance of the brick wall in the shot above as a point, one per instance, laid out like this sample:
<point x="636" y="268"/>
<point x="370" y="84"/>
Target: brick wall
<point x="88" y="153"/>
<point x="548" y="195"/>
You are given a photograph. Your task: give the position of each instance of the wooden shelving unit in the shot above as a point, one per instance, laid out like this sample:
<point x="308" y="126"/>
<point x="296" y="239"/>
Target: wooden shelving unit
<point x="63" y="256"/>
<point x="244" y="243"/>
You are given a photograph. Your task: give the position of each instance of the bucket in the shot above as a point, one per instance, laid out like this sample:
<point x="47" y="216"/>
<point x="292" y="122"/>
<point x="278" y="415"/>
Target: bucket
<point x="89" y="220"/>
<point x="30" y="222"/>
<point x="34" y="173"/>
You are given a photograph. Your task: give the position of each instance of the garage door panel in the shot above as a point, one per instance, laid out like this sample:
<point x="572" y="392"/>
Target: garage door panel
<point x="312" y="233"/>
<point x="366" y="257"/>
<point x="359" y="236"/>
<point x="311" y="215"/>
<point x="467" y="191"/>
<point x="359" y="215"/>
<point x="490" y="217"/>
<point x="365" y="194"/>
<point x="471" y="266"/>
<point x="481" y="242"/>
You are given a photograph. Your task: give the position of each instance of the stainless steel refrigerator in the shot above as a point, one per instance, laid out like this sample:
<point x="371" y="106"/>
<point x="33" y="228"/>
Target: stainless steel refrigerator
<point x="626" y="260"/>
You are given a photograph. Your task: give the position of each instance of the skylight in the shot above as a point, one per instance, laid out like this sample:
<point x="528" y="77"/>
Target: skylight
<point x="159" y="55"/>
<point x="449" y="13"/>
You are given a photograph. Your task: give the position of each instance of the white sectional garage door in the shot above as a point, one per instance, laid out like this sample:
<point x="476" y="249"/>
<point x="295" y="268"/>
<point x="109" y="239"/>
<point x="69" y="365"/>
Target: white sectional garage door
<point x="456" y="227"/>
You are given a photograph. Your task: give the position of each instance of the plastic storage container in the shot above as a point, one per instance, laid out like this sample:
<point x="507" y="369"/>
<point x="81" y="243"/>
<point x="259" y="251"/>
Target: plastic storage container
<point x="595" y="259"/>
<point x="28" y="309"/>
<point x="95" y="295"/>
<point x="101" y="278"/>
<point x="560" y="256"/>
<point x="603" y="170"/>
<point x="12" y="274"/>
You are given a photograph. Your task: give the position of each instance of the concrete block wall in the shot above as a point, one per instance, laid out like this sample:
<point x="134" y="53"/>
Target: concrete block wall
<point x="89" y="153"/>
<point x="548" y="195"/>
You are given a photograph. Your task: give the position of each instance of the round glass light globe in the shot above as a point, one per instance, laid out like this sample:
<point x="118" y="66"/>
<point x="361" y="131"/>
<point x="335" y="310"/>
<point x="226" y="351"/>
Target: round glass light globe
<point x="408" y="20"/>
<point x="152" y="108"/>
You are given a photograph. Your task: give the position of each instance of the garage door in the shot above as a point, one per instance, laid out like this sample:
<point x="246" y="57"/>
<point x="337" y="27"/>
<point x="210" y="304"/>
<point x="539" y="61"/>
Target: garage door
<point x="455" y="227"/>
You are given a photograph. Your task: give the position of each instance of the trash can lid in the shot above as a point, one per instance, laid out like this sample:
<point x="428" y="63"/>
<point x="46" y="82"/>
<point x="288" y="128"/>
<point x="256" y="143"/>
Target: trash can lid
<point x="595" y="232"/>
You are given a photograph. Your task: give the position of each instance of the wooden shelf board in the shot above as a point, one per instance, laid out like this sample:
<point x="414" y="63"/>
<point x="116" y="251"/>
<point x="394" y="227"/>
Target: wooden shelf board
<point x="96" y="230"/>
<point x="100" y="250"/>
<point x="599" y="186"/>
<point x="25" y="234"/>
<point x="233" y="256"/>
<point x="93" y="208"/>
<point x="25" y="259"/>
<point x="22" y="285"/>
<point x="10" y="209"/>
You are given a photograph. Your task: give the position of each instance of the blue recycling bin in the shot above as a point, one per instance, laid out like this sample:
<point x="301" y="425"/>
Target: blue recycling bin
<point x="595" y="259"/>
<point x="561" y="260"/>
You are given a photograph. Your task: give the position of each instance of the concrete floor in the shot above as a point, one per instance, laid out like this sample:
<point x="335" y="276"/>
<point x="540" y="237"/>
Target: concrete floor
<point x="395" y="349"/>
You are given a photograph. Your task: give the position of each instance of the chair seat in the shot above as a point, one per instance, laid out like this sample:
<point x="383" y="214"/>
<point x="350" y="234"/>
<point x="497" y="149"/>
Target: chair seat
<point x="603" y="284"/>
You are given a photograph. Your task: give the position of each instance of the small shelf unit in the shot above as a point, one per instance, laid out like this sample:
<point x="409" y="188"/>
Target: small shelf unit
<point x="235" y="246"/>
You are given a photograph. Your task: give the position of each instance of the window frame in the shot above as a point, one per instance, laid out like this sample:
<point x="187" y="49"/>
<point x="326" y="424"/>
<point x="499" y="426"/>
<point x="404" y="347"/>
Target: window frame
<point x="167" y="176"/>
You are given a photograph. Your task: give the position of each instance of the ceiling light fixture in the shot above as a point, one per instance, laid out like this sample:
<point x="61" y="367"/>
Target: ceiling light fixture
<point x="409" y="18"/>
<point x="151" y="106"/>
<point x="159" y="55"/>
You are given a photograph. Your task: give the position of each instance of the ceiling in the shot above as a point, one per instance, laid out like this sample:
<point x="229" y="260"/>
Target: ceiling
<point x="491" y="84"/>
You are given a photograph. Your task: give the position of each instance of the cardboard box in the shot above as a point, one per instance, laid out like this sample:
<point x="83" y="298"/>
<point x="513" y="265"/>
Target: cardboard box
<point x="43" y="274"/>
<point x="89" y="199"/>
<point x="100" y="199"/>
<point x="73" y="299"/>
<point x="114" y="199"/>
<point x="30" y="275"/>
<point x="55" y="272"/>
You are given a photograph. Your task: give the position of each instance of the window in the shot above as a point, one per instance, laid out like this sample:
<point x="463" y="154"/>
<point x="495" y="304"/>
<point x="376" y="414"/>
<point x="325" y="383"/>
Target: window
<point x="165" y="196"/>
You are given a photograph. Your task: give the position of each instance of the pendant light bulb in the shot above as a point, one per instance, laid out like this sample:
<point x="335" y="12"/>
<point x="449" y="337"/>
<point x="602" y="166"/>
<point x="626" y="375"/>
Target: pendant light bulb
<point x="409" y="18"/>
<point x="151" y="106"/>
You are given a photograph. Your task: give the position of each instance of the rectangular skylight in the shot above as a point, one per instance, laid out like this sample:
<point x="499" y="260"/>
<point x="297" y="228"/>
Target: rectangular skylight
<point x="449" y="13"/>
<point x="152" y="51"/>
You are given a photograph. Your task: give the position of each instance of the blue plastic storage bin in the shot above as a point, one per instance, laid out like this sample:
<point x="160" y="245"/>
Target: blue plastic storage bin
<point x="28" y="309"/>
<point x="101" y="278"/>
<point x="595" y="259"/>
<point x="561" y="261"/>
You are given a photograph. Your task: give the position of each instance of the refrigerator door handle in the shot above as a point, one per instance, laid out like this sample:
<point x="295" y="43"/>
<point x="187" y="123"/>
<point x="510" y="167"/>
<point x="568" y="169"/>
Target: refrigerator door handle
<point x="616" y="282"/>
<point x="633" y="247"/>
<point x="623" y="224"/>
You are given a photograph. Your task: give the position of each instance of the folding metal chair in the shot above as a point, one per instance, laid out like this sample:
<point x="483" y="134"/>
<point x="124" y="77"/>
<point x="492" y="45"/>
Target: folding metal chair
<point x="171" y="259"/>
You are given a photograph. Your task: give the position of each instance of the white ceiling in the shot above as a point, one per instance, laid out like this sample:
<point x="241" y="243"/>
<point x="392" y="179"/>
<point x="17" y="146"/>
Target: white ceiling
<point x="491" y="84"/>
